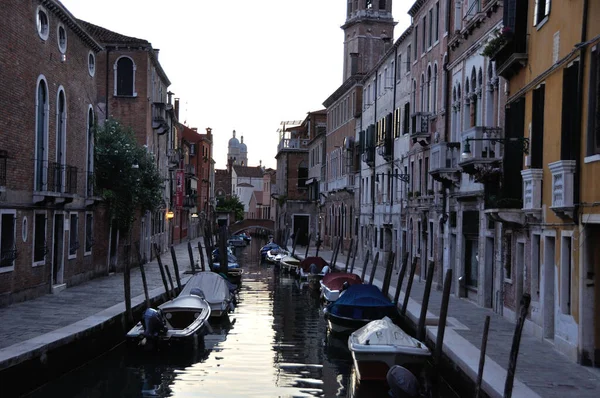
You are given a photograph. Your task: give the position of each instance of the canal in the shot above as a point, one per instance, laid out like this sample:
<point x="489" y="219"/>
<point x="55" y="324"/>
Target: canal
<point x="274" y="344"/>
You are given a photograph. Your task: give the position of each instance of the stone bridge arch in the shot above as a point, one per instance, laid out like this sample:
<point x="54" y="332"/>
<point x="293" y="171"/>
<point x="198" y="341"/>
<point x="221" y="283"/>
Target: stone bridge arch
<point x="251" y="223"/>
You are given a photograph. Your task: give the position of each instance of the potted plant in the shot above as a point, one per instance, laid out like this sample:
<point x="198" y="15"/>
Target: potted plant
<point x="409" y="194"/>
<point x="493" y="46"/>
<point x="417" y="194"/>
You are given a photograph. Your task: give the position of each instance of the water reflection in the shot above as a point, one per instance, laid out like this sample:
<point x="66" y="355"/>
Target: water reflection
<point x="274" y="344"/>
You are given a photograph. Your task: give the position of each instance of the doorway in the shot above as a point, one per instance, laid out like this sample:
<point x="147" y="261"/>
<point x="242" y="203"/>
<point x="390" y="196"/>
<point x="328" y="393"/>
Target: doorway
<point x="489" y="272"/>
<point x="548" y="302"/>
<point x="300" y="226"/>
<point x="58" y="255"/>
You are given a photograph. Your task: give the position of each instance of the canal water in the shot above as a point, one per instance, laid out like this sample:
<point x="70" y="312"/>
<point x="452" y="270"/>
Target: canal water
<point x="274" y="344"/>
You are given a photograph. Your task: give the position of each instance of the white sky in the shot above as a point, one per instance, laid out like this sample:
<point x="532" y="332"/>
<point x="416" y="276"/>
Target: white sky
<point x="239" y="64"/>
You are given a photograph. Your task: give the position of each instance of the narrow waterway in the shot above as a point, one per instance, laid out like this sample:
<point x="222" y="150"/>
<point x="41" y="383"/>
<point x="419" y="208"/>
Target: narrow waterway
<point x="274" y="344"/>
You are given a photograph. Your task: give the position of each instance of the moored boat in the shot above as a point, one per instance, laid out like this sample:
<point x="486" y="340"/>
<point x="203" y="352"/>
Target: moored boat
<point x="334" y="283"/>
<point x="184" y="317"/>
<point x="314" y="268"/>
<point x="216" y="291"/>
<point x="359" y="305"/>
<point x="381" y="344"/>
<point x="289" y="264"/>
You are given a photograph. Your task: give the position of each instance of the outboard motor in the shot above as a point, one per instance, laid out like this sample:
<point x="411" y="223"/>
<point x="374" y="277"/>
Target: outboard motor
<point x="196" y="291"/>
<point x="403" y="384"/>
<point x="314" y="269"/>
<point x="154" y="323"/>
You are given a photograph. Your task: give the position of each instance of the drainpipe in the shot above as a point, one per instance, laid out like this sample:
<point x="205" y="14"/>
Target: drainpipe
<point x="577" y="146"/>
<point x="106" y="112"/>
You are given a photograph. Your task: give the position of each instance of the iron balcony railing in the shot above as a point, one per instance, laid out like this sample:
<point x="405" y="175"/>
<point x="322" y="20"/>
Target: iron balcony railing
<point x="56" y="177"/>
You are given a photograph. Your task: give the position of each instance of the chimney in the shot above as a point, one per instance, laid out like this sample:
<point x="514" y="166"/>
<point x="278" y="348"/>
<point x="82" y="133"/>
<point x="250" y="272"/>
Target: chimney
<point x="353" y="64"/>
<point x="156" y="51"/>
<point x="177" y="108"/>
<point x="169" y="97"/>
<point x="208" y="131"/>
<point x="195" y="129"/>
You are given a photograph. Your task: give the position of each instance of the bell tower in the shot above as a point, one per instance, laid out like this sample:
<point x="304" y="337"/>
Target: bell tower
<point x="368" y="34"/>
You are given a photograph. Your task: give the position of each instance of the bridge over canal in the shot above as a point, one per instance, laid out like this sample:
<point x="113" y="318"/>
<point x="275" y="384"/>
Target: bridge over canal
<point x="252" y="223"/>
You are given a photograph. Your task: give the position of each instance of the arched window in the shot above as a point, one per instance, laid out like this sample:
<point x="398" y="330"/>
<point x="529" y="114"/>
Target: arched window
<point x="435" y="87"/>
<point x="422" y="92"/>
<point x="125" y="77"/>
<point x="429" y="87"/>
<point x="61" y="141"/>
<point x="414" y="95"/>
<point x="474" y="111"/>
<point x="41" y="134"/>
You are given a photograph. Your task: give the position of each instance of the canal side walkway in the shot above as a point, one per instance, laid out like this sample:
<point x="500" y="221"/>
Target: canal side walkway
<point x="30" y="331"/>
<point x="541" y="370"/>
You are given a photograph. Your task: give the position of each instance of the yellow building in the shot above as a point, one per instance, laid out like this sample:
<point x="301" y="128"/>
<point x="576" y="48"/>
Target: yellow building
<point x="549" y="52"/>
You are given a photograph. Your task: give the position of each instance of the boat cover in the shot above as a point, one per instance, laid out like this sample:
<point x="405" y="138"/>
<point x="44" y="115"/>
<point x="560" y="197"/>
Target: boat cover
<point x="335" y="280"/>
<point x="318" y="261"/>
<point x="384" y="332"/>
<point x="213" y="285"/>
<point x="293" y="261"/>
<point x="363" y="302"/>
<point x="187" y="302"/>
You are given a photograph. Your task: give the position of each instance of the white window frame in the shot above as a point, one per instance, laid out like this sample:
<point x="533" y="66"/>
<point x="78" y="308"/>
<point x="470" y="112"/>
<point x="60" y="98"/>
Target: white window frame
<point x="540" y="22"/>
<point x="62" y="47"/>
<point x="14" y="214"/>
<point x="566" y="302"/>
<point x="44" y="34"/>
<point x="115" y="75"/>
<point x="43" y="261"/>
<point x="71" y="214"/>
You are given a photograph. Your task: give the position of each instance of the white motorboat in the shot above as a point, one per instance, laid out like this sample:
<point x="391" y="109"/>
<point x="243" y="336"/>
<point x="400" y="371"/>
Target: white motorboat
<point x="334" y="283"/>
<point x="181" y="318"/>
<point x="381" y="344"/>
<point x="289" y="264"/>
<point x="275" y="255"/>
<point x="215" y="289"/>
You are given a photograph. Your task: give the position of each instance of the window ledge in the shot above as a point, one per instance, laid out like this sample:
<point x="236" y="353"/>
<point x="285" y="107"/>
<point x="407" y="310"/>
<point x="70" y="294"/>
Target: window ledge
<point x="592" y="159"/>
<point x="507" y="280"/>
<point x="126" y="96"/>
<point x="539" y="25"/>
<point x="7" y="269"/>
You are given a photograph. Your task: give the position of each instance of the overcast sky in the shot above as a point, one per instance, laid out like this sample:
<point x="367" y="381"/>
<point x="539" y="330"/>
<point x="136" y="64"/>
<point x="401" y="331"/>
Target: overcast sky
<point x="239" y="64"/>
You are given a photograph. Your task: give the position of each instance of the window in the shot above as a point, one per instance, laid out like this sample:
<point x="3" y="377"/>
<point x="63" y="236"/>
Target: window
<point x="447" y="20"/>
<point x="508" y="258"/>
<point x="593" y="133"/>
<point x="382" y="4"/>
<point x="125" y="77"/>
<point x="42" y="23"/>
<point x="61" y="137"/>
<point x="565" y="274"/>
<point x="39" y="239"/>
<point x="541" y="11"/>
<point x="569" y="118"/>
<point x="536" y="275"/>
<point x="41" y="137"/>
<point x="408" y="59"/>
<point x="436" y="28"/>
<point x="424" y="38"/>
<point x="8" y="249"/>
<point x="434" y="88"/>
<point x="73" y="237"/>
<point x="62" y="38"/>
<point x="415" y="42"/>
<point x="349" y="10"/>
<point x="90" y="152"/>
<point x="537" y="128"/>
<point x="431" y="22"/>
<point x="302" y="175"/>
<point x="406" y="119"/>
<point x="89" y="232"/>
<point x="369" y="4"/>
<point x="91" y="64"/>
<point x="399" y="68"/>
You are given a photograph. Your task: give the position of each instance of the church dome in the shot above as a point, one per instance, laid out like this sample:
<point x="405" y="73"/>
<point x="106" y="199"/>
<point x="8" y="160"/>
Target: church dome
<point x="243" y="148"/>
<point x="234" y="142"/>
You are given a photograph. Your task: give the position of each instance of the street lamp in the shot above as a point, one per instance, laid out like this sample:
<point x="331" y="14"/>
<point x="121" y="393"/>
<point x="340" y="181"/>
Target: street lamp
<point x="523" y="142"/>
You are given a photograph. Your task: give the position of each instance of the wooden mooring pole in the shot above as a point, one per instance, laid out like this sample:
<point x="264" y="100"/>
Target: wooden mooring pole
<point x="201" y="255"/>
<point x="307" y="245"/>
<point x="375" y="261"/>
<point x="162" y="270"/>
<point x="191" y="254"/>
<point x="143" y="272"/>
<point x="176" y="268"/>
<point x="337" y="251"/>
<point x="170" y="280"/>
<point x="364" y="269"/>
<point x="514" y="351"/>
<point x="484" y="338"/>
<point x="385" y="287"/>
<point x="295" y="241"/>
<point x="349" y="254"/>
<point x="127" y="282"/>
<point x="354" y="256"/>
<point x="425" y="302"/>
<point x="401" y="278"/>
<point x="411" y="277"/>
<point x="439" y="343"/>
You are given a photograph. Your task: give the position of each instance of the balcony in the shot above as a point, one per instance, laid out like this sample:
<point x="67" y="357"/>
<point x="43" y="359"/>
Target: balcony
<point x="505" y="210"/>
<point x="532" y="192"/>
<point x="159" y="118"/>
<point x="512" y="55"/>
<point x="56" y="182"/>
<point x="345" y="182"/>
<point x="444" y="163"/>
<point x="420" y="128"/>
<point x="174" y="157"/>
<point x="292" y="144"/>
<point x="481" y="155"/>
<point x="563" y="175"/>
